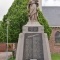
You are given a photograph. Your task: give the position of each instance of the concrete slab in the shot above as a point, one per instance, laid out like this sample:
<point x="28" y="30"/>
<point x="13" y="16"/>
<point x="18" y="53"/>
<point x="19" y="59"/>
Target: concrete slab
<point x="5" y="55"/>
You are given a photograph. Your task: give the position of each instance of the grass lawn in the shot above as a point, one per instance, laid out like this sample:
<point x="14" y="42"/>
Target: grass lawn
<point x="54" y="57"/>
<point x="11" y="58"/>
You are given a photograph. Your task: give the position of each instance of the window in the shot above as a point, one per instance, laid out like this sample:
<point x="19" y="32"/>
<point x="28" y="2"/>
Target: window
<point x="57" y="37"/>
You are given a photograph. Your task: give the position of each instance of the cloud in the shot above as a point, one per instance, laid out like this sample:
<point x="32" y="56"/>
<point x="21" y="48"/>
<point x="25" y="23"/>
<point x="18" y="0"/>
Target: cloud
<point x="51" y="3"/>
<point x="4" y="6"/>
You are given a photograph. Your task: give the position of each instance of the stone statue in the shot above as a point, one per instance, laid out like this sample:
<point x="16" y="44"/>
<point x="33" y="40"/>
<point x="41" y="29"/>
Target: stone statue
<point x="32" y="6"/>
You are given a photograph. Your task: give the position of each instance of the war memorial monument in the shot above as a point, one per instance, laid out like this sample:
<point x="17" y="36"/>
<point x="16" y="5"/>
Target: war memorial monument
<point x="33" y="42"/>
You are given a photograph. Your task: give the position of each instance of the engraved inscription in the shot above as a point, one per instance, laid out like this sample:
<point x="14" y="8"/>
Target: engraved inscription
<point x="33" y="46"/>
<point x="33" y="29"/>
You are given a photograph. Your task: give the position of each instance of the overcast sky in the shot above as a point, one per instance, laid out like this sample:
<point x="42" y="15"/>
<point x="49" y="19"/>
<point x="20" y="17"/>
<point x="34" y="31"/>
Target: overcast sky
<point x="51" y="2"/>
<point x="5" y="4"/>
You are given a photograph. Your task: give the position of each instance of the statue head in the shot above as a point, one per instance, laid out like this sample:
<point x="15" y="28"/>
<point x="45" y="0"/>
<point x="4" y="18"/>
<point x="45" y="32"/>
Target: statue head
<point x="33" y="2"/>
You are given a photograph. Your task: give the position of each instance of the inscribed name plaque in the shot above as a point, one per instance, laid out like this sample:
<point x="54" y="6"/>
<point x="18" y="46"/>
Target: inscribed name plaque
<point x="33" y="29"/>
<point x="33" y="46"/>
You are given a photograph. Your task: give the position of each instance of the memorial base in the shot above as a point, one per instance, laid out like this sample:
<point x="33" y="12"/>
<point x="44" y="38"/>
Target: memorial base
<point x="33" y="43"/>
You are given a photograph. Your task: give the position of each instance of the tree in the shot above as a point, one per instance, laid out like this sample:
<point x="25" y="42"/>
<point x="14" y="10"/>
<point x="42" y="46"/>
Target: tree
<point x="44" y="22"/>
<point x="1" y="33"/>
<point x="18" y="14"/>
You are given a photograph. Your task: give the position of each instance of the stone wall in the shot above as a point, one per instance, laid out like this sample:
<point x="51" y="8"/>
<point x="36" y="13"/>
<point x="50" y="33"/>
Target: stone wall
<point x="54" y="47"/>
<point x="3" y="47"/>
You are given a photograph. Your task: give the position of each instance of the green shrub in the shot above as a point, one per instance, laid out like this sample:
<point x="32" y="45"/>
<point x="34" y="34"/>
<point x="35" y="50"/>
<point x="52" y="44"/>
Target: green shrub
<point x="18" y="16"/>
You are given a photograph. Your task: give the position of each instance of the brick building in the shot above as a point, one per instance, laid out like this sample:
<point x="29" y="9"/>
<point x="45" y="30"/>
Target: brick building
<point x="52" y="15"/>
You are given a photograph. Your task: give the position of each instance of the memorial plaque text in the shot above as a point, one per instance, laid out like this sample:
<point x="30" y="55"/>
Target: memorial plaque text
<point x="33" y="29"/>
<point x="33" y="46"/>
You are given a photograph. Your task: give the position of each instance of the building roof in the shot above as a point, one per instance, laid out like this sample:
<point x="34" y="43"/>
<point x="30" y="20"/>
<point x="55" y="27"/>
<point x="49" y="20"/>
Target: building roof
<point x="52" y="15"/>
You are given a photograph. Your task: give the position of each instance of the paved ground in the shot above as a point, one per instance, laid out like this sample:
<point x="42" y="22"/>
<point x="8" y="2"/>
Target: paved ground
<point x="5" y="55"/>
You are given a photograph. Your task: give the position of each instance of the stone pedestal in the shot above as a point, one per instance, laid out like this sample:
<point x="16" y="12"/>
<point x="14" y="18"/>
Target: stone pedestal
<point x="33" y="43"/>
